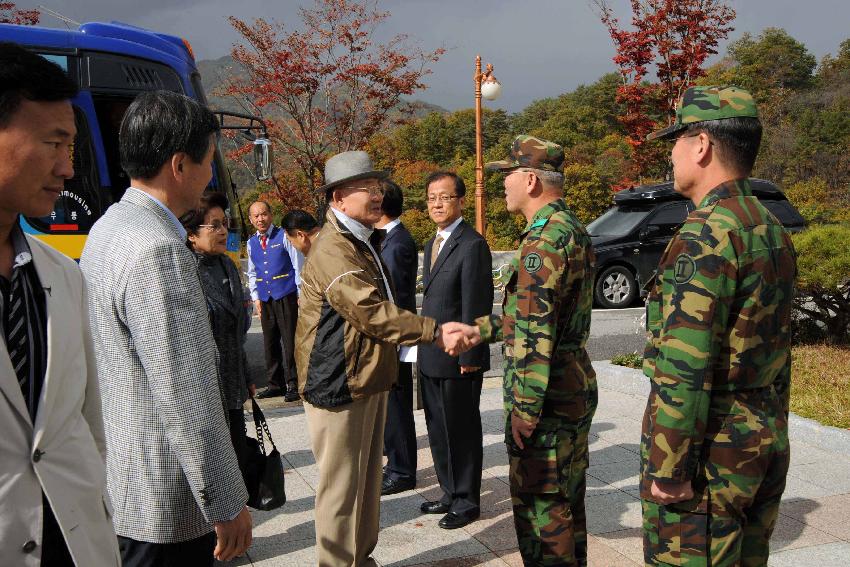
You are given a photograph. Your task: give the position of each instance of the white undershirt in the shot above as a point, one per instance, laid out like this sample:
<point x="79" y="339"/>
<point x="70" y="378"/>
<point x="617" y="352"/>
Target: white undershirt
<point x="362" y="233"/>
<point x="446" y="233"/>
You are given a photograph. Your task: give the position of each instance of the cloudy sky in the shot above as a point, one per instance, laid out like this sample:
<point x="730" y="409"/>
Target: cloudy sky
<point x="538" y="48"/>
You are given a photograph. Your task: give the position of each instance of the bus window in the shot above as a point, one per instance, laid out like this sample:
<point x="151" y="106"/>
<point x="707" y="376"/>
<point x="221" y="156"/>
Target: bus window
<point x="110" y="111"/>
<point x="81" y="202"/>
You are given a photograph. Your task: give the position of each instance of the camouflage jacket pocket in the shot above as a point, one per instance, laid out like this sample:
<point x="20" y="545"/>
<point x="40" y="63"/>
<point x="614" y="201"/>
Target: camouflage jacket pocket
<point x="534" y="469"/>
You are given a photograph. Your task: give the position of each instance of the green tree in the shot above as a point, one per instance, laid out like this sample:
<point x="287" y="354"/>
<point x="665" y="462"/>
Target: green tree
<point x="586" y="194"/>
<point x="770" y="66"/>
<point x="495" y="127"/>
<point x="411" y="176"/>
<point x="534" y="115"/>
<point x="774" y="60"/>
<point x="838" y="65"/>
<point x="806" y="116"/>
<point x="419" y="224"/>
<point x="435" y="140"/>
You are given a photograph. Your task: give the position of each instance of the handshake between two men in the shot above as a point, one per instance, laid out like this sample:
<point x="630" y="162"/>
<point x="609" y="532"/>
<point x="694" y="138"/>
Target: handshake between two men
<point x="457" y="338"/>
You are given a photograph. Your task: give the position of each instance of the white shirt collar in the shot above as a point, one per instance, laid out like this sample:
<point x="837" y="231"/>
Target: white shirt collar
<point x="358" y="229"/>
<point x="391" y="225"/>
<point x="20" y="246"/>
<point x="180" y="230"/>
<point x="447" y="232"/>
<point x="269" y="230"/>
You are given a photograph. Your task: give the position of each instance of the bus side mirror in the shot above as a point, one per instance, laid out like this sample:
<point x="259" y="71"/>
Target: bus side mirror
<point x="263" y="159"/>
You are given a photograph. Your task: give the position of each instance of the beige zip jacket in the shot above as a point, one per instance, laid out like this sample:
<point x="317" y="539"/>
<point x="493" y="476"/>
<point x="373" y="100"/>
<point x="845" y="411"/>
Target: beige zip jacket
<point x="346" y="343"/>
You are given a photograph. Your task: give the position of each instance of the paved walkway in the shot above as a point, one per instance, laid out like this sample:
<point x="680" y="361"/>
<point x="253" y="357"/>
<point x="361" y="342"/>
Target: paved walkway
<point x="813" y="528"/>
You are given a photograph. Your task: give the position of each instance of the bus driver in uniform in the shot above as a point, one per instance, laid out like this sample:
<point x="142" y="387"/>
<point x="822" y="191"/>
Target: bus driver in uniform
<point x="274" y="265"/>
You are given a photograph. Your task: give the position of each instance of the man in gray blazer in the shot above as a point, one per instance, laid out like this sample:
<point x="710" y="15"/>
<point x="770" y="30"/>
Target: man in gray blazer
<point x="53" y="508"/>
<point x="171" y="470"/>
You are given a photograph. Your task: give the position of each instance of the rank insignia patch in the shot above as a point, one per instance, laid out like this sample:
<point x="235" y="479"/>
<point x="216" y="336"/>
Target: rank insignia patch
<point x="684" y="269"/>
<point x="532" y="263"/>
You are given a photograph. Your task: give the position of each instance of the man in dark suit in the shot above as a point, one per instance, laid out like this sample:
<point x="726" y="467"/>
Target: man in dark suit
<point x="398" y="250"/>
<point x="458" y="287"/>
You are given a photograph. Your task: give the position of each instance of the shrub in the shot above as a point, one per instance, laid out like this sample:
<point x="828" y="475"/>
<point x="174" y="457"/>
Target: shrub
<point x="633" y="360"/>
<point x="812" y="198"/>
<point x="823" y="284"/>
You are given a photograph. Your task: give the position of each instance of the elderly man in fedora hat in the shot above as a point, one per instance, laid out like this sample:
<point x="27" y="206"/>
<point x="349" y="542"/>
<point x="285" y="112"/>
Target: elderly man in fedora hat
<point x="347" y="339"/>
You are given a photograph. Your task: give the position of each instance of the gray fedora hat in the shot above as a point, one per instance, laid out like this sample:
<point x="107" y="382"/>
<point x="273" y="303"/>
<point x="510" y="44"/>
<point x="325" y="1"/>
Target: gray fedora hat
<point x="349" y="166"/>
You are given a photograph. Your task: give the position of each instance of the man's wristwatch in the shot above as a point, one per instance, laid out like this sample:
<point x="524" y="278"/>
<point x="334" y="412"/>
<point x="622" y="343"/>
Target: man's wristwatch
<point x="436" y="331"/>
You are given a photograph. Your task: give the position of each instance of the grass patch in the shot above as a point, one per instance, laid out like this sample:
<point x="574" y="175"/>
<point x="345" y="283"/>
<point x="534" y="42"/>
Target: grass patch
<point x="820" y="383"/>
<point x="633" y="360"/>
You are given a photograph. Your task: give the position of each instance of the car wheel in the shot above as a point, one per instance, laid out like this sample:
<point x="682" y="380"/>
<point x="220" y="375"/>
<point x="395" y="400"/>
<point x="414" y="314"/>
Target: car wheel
<point x="616" y="287"/>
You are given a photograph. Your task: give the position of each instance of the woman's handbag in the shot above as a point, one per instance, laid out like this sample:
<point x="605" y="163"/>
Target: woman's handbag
<point x="263" y="472"/>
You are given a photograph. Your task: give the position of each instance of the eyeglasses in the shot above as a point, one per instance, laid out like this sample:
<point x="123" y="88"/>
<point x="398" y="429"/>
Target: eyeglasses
<point x="216" y="226"/>
<point x="373" y="190"/>
<point x="441" y="198"/>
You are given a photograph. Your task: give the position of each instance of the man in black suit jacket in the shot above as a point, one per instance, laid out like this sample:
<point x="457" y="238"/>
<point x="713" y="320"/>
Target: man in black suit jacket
<point x="458" y="287"/>
<point x="398" y="250"/>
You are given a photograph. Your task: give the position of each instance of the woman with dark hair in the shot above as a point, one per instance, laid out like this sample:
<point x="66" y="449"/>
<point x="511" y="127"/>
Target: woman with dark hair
<point x="301" y="228"/>
<point x="206" y="235"/>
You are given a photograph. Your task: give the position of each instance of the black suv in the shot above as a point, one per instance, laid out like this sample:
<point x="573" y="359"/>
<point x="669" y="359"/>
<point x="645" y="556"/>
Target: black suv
<point x="630" y="237"/>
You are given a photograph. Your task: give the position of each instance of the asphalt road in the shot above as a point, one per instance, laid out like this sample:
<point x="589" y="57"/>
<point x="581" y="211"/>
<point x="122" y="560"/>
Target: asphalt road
<point x="612" y="332"/>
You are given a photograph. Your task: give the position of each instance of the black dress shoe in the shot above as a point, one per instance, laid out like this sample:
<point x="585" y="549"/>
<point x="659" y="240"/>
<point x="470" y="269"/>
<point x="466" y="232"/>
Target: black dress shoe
<point x="452" y="521"/>
<point x="394" y="486"/>
<point x="434" y="507"/>
<point x="291" y="396"/>
<point x="270" y="393"/>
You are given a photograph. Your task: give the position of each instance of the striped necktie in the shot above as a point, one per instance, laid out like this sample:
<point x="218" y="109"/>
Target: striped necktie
<point x="16" y="332"/>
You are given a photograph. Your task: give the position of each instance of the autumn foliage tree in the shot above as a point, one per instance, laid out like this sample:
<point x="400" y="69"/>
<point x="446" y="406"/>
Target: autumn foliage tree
<point x="328" y="85"/>
<point x="10" y="14"/>
<point x="673" y="36"/>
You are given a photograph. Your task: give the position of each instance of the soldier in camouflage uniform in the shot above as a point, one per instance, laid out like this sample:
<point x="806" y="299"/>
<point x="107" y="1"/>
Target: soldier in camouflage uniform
<point x="714" y="444"/>
<point x="549" y="384"/>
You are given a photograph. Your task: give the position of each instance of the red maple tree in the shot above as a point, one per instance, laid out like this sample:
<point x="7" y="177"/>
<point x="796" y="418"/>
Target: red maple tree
<point x="328" y="86"/>
<point x="9" y="14"/>
<point x="674" y="36"/>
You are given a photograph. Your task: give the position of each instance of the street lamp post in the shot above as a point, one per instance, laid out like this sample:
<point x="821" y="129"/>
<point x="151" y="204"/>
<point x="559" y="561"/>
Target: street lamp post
<point x="488" y="87"/>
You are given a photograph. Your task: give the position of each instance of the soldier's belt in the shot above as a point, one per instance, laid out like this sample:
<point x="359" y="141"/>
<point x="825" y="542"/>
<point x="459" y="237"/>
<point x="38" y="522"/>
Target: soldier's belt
<point x="757" y="389"/>
<point x="723" y="400"/>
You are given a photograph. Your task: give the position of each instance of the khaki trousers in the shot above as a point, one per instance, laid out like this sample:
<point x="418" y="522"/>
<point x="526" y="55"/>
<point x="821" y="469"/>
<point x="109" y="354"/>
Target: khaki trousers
<point x="347" y="442"/>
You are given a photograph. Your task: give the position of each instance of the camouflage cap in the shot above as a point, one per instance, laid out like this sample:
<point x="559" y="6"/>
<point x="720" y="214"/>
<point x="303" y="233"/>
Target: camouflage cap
<point x="700" y="104"/>
<point x="528" y="151"/>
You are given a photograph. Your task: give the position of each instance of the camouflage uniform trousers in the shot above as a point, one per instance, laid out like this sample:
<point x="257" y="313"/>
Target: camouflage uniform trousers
<point x="548" y="483"/>
<point x="737" y="488"/>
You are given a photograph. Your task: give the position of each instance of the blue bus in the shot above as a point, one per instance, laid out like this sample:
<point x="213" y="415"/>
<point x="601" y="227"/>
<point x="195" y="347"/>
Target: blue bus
<point x="112" y="63"/>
